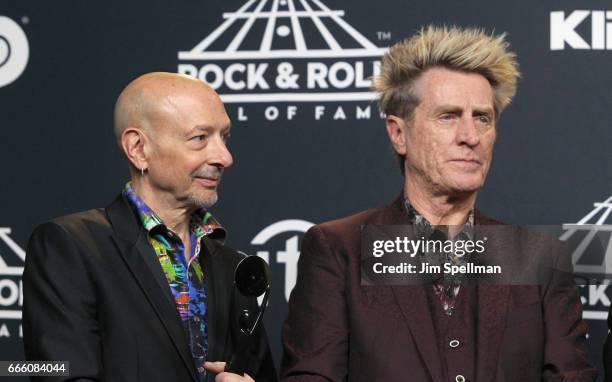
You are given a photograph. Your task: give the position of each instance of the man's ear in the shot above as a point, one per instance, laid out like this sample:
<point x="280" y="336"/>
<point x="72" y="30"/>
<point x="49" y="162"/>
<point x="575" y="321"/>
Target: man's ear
<point x="133" y="142"/>
<point x="396" y="129"/>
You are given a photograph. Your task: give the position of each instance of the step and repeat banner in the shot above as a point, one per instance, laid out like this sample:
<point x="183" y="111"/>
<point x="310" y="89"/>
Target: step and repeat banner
<point x="308" y="140"/>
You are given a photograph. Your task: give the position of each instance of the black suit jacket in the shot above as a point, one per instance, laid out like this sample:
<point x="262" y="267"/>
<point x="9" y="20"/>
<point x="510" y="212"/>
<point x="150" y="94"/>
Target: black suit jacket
<point x="95" y="295"/>
<point x="340" y="330"/>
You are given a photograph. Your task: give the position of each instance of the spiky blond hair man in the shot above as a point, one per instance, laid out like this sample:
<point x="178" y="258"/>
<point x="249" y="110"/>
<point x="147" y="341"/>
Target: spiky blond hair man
<point x="442" y="90"/>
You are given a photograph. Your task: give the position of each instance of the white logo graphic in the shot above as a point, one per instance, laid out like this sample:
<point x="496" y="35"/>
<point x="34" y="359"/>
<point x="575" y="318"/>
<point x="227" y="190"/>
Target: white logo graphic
<point x="14" y="51"/>
<point x="289" y="256"/>
<point x="590" y="229"/>
<point x="10" y="288"/>
<point x="563" y="30"/>
<point x="330" y="60"/>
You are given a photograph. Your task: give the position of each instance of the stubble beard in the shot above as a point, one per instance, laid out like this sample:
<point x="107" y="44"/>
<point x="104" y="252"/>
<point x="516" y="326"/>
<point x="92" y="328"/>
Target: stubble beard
<point x="208" y="201"/>
<point x="203" y="202"/>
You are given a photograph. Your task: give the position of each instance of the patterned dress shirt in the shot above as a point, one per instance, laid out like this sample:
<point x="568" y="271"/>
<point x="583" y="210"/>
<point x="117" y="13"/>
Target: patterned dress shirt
<point x="186" y="278"/>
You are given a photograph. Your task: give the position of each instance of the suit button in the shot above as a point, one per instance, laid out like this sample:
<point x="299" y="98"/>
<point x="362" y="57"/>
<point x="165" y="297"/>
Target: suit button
<point x="453" y="343"/>
<point x="460" y="378"/>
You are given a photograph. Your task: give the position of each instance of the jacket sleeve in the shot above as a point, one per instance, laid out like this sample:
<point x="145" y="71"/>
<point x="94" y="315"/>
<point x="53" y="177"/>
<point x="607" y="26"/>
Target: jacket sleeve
<point x="566" y="357"/>
<point x="266" y="371"/>
<point x="59" y="310"/>
<point x="315" y="334"/>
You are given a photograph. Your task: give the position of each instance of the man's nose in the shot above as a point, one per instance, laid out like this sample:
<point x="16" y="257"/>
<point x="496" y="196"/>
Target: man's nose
<point x="221" y="155"/>
<point x="467" y="132"/>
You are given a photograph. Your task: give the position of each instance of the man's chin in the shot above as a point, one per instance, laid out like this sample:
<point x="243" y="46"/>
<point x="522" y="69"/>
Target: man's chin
<point x="466" y="186"/>
<point x="466" y="189"/>
<point x="203" y="201"/>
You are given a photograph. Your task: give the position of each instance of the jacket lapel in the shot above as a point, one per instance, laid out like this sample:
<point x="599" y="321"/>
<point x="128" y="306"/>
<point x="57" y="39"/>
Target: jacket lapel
<point x="216" y="300"/>
<point x="493" y="303"/>
<point x="412" y="301"/>
<point x="131" y="242"/>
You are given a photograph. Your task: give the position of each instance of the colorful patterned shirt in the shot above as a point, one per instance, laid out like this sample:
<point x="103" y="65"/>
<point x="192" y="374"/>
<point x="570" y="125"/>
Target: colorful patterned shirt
<point x="186" y="278"/>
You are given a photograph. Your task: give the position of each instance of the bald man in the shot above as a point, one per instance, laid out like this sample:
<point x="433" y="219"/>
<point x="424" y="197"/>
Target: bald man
<point x="140" y="290"/>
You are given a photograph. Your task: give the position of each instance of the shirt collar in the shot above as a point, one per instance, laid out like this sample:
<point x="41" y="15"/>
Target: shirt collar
<point x="202" y="222"/>
<point x="425" y="228"/>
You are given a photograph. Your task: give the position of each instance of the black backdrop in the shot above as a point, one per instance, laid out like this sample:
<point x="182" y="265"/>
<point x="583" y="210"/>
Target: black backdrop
<point x="308" y="165"/>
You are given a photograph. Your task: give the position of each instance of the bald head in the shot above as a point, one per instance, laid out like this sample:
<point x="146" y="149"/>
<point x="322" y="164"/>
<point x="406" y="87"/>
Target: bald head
<point x="154" y="97"/>
<point x="173" y="130"/>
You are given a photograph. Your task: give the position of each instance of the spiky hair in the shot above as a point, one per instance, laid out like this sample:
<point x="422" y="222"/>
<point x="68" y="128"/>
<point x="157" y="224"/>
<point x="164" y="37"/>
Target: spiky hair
<point x="463" y="49"/>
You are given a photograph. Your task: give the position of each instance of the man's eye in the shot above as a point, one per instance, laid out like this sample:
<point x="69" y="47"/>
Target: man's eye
<point x="199" y="138"/>
<point x="447" y="117"/>
<point x="484" y="119"/>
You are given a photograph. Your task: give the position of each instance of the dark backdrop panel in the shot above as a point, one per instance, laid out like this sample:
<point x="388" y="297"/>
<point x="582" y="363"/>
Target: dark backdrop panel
<point x="58" y="154"/>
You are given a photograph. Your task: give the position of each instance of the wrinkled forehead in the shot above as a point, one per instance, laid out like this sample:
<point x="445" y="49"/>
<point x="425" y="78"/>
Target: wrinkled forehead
<point x="441" y="85"/>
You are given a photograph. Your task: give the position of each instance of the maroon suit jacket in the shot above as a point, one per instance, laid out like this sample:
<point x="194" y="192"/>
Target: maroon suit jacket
<point x="339" y="330"/>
